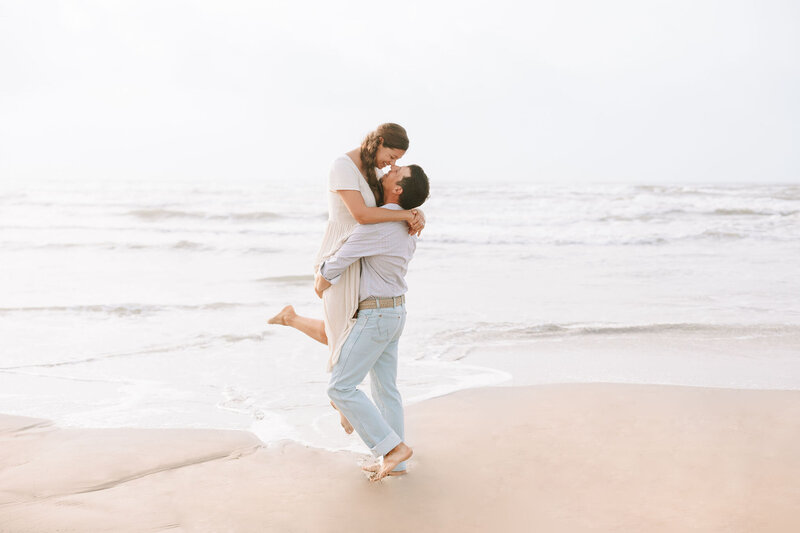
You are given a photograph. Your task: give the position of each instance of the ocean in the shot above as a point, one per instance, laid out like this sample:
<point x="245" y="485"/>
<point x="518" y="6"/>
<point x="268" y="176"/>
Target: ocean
<point x="144" y="303"/>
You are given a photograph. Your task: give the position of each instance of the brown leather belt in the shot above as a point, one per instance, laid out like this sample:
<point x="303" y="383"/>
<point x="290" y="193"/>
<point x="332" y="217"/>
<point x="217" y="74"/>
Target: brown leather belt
<point x="375" y="303"/>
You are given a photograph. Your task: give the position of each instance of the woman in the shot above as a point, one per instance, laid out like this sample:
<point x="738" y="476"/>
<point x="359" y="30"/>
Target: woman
<point x="354" y="193"/>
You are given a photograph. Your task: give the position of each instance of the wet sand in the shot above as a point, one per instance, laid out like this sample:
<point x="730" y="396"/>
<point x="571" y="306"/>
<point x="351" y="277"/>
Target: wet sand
<point x="572" y="457"/>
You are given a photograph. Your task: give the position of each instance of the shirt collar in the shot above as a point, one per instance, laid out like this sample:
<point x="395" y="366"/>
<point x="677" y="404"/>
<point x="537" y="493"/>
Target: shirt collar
<point x="393" y="207"/>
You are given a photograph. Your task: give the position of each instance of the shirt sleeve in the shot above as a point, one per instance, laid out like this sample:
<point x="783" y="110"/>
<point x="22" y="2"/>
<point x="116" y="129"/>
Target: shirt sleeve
<point x="343" y="176"/>
<point x="365" y="241"/>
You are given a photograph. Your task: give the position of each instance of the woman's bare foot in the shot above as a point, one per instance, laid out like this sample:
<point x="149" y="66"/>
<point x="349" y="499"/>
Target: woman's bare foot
<point x="283" y="317"/>
<point x="348" y="428"/>
<point x="377" y="466"/>
<point x="313" y="327"/>
<point x="399" y="453"/>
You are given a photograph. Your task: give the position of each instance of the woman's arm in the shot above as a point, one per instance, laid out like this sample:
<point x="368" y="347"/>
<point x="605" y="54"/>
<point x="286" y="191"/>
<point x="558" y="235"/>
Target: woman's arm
<point x="415" y="218"/>
<point x="372" y="215"/>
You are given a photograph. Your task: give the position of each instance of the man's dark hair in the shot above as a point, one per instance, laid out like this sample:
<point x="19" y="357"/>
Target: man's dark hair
<point x="415" y="188"/>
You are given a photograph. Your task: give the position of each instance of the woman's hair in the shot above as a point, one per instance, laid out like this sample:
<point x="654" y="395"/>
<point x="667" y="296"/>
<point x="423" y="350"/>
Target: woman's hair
<point x="394" y="136"/>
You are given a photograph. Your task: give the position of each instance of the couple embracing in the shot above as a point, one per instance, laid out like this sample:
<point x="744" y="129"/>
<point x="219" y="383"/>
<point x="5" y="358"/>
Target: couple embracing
<point x="360" y="276"/>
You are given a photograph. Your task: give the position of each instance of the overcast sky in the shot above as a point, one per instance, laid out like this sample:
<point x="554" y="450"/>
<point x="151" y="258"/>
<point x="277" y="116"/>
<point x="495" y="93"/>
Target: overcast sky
<point x="566" y="91"/>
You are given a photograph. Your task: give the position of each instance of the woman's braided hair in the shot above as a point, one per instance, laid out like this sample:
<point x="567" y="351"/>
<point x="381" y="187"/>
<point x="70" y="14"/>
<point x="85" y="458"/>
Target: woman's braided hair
<point x="394" y="136"/>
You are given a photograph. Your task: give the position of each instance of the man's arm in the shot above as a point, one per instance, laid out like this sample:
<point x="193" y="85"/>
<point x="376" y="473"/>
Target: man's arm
<point x="364" y="241"/>
<point x="320" y="284"/>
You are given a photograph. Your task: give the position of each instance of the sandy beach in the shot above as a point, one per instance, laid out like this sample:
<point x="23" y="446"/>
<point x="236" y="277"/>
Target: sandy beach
<point x="571" y="457"/>
<point x="602" y="321"/>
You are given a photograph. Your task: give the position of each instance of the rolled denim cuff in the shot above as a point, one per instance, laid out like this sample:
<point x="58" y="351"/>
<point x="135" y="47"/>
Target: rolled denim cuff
<point x="386" y="445"/>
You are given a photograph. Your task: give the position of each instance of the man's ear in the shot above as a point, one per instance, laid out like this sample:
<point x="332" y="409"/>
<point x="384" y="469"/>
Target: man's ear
<point x="398" y="190"/>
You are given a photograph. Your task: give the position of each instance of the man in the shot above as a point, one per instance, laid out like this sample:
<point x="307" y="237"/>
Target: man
<point x="384" y="251"/>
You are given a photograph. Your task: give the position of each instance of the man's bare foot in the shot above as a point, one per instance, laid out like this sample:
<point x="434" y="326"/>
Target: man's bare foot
<point x="399" y="453"/>
<point x="283" y="317"/>
<point x="348" y="428"/>
<point x="377" y="466"/>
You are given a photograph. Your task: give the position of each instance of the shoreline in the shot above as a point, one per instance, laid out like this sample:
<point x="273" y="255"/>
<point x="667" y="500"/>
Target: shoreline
<point x="565" y="457"/>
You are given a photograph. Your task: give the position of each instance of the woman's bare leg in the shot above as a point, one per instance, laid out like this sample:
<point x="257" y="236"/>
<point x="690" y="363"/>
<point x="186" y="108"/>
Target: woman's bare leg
<point x="348" y="427"/>
<point x="315" y="329"/>
<point x="312" y="327"/>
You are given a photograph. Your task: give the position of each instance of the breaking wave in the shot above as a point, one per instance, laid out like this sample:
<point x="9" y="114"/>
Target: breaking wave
<point x="126" y="309"/>
<point x="163" y="214"/>
<point x="492" y="332"/>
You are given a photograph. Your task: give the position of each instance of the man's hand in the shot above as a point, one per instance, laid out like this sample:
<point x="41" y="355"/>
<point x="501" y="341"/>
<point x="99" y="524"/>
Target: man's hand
<point x="320" y="284"/>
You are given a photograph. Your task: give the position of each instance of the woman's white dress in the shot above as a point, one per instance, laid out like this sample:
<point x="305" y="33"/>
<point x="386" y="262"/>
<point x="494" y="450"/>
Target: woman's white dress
<point x="340" y="301"/>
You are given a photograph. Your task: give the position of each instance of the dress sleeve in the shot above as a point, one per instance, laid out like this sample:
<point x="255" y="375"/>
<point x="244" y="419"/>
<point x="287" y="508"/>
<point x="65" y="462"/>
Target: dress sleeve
<point x="343" y="176"/>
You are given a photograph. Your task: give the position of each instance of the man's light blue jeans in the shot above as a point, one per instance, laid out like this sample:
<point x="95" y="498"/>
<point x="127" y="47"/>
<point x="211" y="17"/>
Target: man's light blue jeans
<point x="372" y="347"/>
